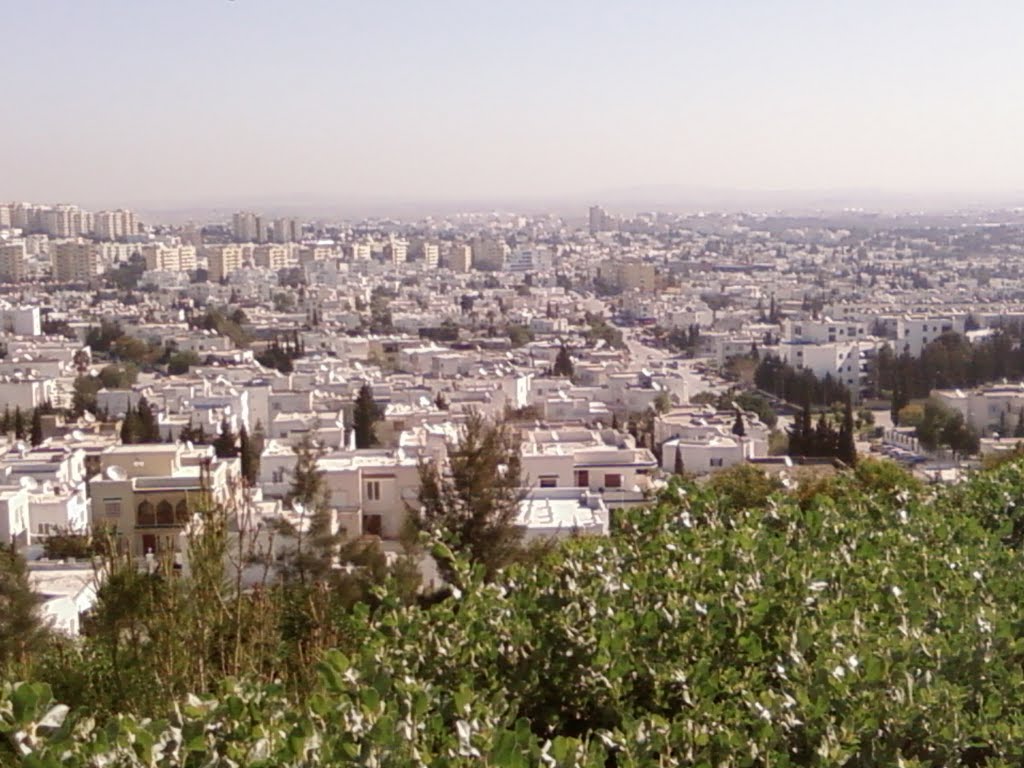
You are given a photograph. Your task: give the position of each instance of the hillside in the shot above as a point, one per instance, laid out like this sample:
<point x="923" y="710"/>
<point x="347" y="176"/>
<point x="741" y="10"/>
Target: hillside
<point x="864" y="620"/>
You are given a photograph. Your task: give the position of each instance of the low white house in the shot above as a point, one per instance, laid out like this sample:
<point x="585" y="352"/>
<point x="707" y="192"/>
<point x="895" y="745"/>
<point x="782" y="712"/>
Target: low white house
<point x="704" y="456"/>
<point x="562" y="512"/>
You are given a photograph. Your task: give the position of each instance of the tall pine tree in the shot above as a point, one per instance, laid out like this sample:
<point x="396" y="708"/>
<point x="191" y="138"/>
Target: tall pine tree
<point x="22" y="631"/>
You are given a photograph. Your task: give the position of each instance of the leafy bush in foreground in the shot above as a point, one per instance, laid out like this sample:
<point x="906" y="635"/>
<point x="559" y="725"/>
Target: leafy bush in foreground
<point x="874" y="623"/>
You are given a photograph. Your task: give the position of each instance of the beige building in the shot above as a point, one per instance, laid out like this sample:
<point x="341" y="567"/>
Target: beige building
<point x="629" y="274"/>
<point x="169" y="258"/>
<point x="396" y="251"/>
<point x="489" y="253"/>
<point x="460" y="258"/>
<point x="75" y="261"/>
<point x="12" y="262"/>
<point x="148" y="493"/>
<point x="271" y="256"/>
<point x="223" y="260"/>
<point x="357" y="251"/>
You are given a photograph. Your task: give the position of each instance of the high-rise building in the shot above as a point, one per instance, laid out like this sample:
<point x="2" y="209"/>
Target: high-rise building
<point x="489" y="253"/>
<point x="357" y="251"/>
<point x="74" y="261"/>
<point x="396" y="251"/>
<point x="248" y="227"/>
<point x="431" y="255"/>
<point x="629" y="274"/>
<point x="271" y="256"/>
<point x="63" y="221"/>
<point x="5" y="216"/>
<point x="460" y="258"/>
<point x="287" y="230"/>
<point x="114" y="225"/>
<point x="223" y="260"/>
<point x="600" y="221"/>
<point x="12" y="262"/>
<point x="169" y="258"/>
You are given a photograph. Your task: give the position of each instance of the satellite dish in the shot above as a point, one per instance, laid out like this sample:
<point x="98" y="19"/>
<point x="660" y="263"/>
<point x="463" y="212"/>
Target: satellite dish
<point x="47" y="487"/>
<point x="188" y="445"/>
<point x="21" y="446"/>
<point x="77" y="435"/>
<point x="88" y="418"/>
<point x="28" y="483"/>
<point x="114" y="472"/>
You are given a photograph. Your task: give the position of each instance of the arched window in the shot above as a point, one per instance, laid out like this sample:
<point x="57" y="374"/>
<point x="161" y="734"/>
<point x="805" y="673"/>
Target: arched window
<point x="145" y="514"/>
<point x="181" y="512"/>
<point x="165" y="513"/>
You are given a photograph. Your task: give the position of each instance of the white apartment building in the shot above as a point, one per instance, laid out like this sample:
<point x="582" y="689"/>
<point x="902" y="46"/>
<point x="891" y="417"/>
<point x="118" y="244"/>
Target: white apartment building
<point x="846" y="362"/>
<point x="824" y="331"/>
<point x="986" y="409"/>
<point x="914" y="333"/>
<point x="114" y="225"/>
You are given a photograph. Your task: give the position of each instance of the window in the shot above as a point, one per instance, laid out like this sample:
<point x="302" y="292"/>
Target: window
<point x="582" y="478"/>
<point x="717" y="461"/>
<point x="278" y="476"/>
<point x="373" y="490"/>
<point x="181" y="512"/>
<point x="549" y="481"/>
<point x="165" y="513"/>
<point x="613" y="481"/>
<point x="145" y="514"/>
<point x="112" y="507"/>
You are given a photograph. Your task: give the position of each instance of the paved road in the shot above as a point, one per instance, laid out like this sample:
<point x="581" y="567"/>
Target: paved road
<point x="644" y="356"/>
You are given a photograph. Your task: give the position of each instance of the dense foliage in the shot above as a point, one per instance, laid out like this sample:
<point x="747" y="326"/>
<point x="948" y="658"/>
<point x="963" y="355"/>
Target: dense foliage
<point x="857" y="620"/>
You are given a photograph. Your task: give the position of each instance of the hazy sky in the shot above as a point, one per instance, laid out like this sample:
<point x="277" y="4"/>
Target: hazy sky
<point x="177" y="101"/>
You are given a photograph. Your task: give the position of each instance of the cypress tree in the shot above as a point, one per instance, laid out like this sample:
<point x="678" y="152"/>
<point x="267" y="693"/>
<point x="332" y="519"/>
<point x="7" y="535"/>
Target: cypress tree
<point x="225" y="446"/>
<point x="738" y="427"/>
<point x="130" y="427"/>
<point x="846" y="450"/>
<point x="19" y="424"/>
<point x="364" y="417"/>
<point x="36" y="432"/>
<point x="147" y="426"/>
<point x="563" y="363"/>
<point x="678" y="469"/>
<point x="250" y="459"/>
